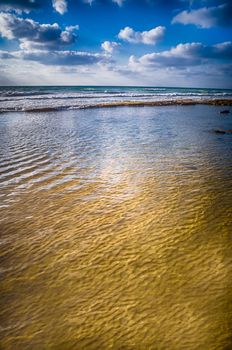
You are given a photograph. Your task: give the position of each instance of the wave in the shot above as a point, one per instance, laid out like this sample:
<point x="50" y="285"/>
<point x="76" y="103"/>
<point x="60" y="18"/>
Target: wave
<point x="80" y="96"/>
<point x="145" y="96"/>
<point x="21" y="93"/>
<point x="129" y="103"/>
<point x="65" y="90"/>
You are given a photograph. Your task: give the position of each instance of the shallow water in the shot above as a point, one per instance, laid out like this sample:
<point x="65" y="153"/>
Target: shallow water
<point x="116" y="229"/>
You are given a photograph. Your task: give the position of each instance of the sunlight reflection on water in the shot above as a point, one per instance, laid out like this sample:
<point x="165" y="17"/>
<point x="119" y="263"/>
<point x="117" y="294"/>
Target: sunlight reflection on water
<point x="115" y="229"/>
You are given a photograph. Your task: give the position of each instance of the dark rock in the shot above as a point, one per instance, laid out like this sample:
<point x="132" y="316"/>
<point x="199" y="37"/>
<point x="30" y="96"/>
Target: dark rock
<point x="225" y="111"/>
<point x="220" y="131"/>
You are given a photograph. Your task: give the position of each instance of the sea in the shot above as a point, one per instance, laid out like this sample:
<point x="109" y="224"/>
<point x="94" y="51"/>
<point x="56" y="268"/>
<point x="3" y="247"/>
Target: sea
<point x="76" y="97"/>
<point x="115" y="223"/>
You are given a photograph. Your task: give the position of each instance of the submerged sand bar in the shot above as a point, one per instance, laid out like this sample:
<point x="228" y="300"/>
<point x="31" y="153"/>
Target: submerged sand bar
<point x="171" y="102"/>
<point x="181" y="102"/>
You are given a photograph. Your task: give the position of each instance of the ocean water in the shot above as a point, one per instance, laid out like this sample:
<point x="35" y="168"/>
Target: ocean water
<point x="115" y="228"/>
<point x="76" y="97"/>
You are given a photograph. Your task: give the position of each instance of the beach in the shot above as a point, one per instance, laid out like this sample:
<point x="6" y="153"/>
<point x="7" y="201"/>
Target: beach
<point x="115" y="222"/>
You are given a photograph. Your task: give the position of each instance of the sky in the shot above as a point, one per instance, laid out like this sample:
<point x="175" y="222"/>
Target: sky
<point x="116" y="42"/>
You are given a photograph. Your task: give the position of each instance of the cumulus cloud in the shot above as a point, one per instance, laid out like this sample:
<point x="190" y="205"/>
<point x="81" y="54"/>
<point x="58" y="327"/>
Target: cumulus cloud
<point x="119" y="2"/>
<point x="184" y="55"/>
<point x="32" y="34"/>
<point x="109" y="46"/>
<point x="60" y="6"/>
<point x="206" y="17"/>
<point x="150" y="37"/>
<point x="29" y="5"/>
<point x="21" y="5"/>
<point x="63" y="57"/>
<point x="5" y="54"/>
<point x="58" y="58"/>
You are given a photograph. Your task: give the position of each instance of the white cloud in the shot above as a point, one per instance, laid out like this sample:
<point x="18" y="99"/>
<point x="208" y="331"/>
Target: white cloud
<point x="88" y="1"/>
<point x="206" y="17"/>
<point x="119" y="2"/>
<point x="21" y="5"/>
<point x="60" y="6"/>
<point x="150" y="37"/>
<point x="14" y="73"/>
<point x="57" y="58"/>
<point x="5" y="54"/>
<point x="109" y="46"/>
<point x="27" y="68"/>
<point x="63" y="58"/>
<point x="183" y="56"/>
<point x="32" y="34"/>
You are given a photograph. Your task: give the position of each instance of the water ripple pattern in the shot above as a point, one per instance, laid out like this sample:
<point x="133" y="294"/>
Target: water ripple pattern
<point x="116" y="229"/>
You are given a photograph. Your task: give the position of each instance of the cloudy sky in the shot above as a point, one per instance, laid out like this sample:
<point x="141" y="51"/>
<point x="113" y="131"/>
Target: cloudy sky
<point x="116" y="42"/>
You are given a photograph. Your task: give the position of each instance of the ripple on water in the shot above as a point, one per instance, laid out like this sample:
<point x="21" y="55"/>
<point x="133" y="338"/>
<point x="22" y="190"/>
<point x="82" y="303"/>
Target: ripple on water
<point x="115" y="230"/>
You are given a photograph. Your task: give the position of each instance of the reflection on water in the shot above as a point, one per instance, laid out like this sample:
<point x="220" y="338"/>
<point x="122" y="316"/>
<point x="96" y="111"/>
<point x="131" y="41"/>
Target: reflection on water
<point x="115" y="230"/>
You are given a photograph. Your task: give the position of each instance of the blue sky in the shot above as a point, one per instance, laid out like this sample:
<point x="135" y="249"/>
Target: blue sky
<point x="116" y="42"/>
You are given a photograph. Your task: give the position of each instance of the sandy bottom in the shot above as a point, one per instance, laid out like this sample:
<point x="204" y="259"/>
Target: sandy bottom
<point x="116" y="230"/>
